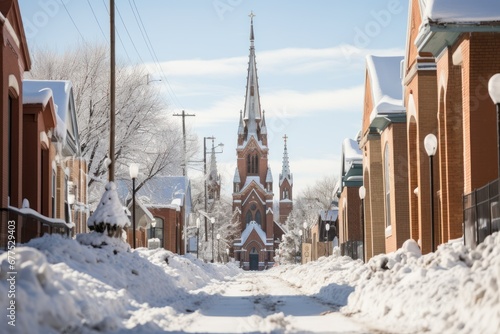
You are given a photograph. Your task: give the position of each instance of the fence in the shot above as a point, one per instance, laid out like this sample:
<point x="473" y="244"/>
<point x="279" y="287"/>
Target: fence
<point x="21" y="225"/>
<point x="481" y="213"/>
<point x="352" y="248"/>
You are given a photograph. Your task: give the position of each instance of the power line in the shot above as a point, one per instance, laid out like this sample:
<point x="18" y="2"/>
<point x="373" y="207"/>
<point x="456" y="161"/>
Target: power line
<point x="152" y="52"/>
<point x="119" y="36"/>
<point x="98" y="24"/>
<point x="130" y="37"/>
<point x="74" y="23"/>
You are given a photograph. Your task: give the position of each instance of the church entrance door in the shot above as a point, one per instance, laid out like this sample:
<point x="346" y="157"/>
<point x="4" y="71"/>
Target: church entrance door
<point x="254" y="261"/>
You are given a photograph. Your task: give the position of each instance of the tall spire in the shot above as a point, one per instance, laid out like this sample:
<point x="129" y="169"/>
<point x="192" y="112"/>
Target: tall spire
<point x="285" y="167"/>
<point x="252" y="112"/>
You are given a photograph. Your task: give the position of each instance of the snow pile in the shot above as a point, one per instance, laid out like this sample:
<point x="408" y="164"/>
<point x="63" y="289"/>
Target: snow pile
<point x="109" y="214"/>
<point x="330" y="278"/>
<point x="96" y="282"/>
<point x="454" y="290"/>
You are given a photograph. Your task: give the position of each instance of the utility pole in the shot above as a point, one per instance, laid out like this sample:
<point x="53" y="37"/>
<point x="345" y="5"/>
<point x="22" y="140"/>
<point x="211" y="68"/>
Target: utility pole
<point x="183" y="115"/>
<point x="111" y="170"/>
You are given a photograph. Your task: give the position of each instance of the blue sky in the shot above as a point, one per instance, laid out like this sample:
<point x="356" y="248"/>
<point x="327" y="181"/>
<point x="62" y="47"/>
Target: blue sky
<point x="310" y="60"/>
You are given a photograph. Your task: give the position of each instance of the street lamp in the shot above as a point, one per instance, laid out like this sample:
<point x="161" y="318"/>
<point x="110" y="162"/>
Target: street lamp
<point x="221" y="145"/>
<point x="134" y="171"/>
<point x="197" y="237"/>
<point x="227" y="253"/>
<point x="218" y="248"/>
<point x="327" y="227"/>
<point x="494" y="90"/>
<point x="430" y="143"/>
<point x="362" y="194"/>
<point x="212" y="220"/>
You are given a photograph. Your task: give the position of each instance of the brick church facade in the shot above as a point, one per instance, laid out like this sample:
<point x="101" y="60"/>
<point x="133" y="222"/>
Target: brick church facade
<point x="253" y="181"/>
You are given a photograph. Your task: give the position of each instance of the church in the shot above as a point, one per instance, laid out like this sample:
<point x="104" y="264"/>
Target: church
<point x="253" y="193"/>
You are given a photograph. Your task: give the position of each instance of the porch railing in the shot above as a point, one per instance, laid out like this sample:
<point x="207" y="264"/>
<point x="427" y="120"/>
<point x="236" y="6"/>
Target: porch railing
<point x="481" y="213"/>
<point x="21" y="225"/>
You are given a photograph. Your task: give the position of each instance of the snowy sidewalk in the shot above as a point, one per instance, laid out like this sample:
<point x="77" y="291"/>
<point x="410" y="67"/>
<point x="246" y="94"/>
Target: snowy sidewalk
<point x="261" y="303"/>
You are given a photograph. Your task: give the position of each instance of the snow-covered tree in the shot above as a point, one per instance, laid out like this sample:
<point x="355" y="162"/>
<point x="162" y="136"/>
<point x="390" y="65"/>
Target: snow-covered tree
<point x="109" y="215"/>
<point x="306" y="208"/>
<point x="145" y="134"/>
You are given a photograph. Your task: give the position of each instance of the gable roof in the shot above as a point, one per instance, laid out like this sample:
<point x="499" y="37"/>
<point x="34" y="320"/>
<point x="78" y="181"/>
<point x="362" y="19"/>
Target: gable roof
<point x="10" y="16"/>
<point x="256" y="228"/>
<point x="443" y="21"/>
<point x="386" y="85"/>
<point x="62" y="92"/>
<point x="460" y="11"/>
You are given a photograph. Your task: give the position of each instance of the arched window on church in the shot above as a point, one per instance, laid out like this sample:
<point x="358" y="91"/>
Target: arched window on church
<point x="248" y="217"/>
<point x="253" y="164"/>
<point x="258" y="218"/>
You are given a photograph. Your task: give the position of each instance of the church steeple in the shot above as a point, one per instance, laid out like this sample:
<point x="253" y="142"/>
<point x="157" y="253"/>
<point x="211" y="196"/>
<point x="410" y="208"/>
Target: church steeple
<point x="252" y="111"/>
<point x="213" y="182"/>
<point x="286" y="187"/>
<point x="285" y="166"/>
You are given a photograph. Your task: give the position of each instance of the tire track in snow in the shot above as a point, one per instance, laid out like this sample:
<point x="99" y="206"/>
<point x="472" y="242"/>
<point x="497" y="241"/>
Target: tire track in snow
<point x="255" y="302"/>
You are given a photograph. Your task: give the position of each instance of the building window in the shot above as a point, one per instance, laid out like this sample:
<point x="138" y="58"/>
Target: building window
<point x="249" y="217"/>
<point x="258" y="218"/>
<point x="387" y="186"/>
<point x="158" y="230"/>
<point x="253" y="164"/>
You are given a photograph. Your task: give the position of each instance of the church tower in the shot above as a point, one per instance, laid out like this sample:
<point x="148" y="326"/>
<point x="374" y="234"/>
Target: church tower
<point x="253" y="182"/>
<point x="286" y="186"/>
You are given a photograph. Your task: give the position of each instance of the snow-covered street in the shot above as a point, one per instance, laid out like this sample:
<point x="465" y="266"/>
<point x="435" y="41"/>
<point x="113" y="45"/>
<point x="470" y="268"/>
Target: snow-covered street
<point x="96" y="284"/>
<point x="259" y="302"/>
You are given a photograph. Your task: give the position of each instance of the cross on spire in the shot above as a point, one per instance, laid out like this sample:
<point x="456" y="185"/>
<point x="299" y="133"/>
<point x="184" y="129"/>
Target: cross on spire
<point x="251" y="15"/>
<point x="285" y="137"/>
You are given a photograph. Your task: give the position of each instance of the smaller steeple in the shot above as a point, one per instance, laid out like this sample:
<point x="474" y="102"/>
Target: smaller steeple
<point x="285" y="167"/>
<point x="213" y="181"/>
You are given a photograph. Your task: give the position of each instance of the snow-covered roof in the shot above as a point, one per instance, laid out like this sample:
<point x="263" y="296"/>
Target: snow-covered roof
<point x="61" y="91"/>
<point x="41" y="96"/>
<point x="269" y="176"/>
<point x="62" y="94"/>
<point x="237" y="178"/>
<point x="253" y="226"/>
<point x="460" y="11"/>
<point x="329" y="215"/>
<point x="161" y="191"/>
<point x="351" y="150"/>
<point x="386" y="86"/>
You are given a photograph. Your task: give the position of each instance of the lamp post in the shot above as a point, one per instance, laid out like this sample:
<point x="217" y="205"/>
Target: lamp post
<point x="212" y="220"/>
<point x="494" y="90"/>
<point x="430" y="143"/>
<point x="221" y="145"/>
<point x="362" y="194"/>
<point x="327" y="227"/>
<point x="301" y="240"/>
<point x="197" y="237"/>
<point x="134" y="171"/>
<point x="227" y="253"/>
<point x="218" y="246"/>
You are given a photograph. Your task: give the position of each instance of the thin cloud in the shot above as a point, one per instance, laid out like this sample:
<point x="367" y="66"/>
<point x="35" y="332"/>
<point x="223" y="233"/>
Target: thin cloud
<point x="288" y="60"/>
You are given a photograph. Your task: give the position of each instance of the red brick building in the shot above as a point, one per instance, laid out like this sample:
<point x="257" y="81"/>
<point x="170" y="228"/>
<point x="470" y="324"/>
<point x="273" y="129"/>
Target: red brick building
<point x="383" y="143"/>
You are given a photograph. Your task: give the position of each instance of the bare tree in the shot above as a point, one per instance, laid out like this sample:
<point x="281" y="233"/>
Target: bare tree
<point x="145" y="133"/>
